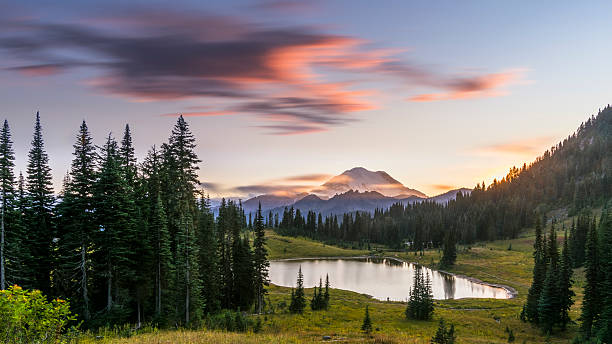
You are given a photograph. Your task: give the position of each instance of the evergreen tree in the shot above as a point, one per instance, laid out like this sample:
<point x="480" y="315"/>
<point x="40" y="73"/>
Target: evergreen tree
<point x="539" y="275"/>
<point x="449" y="250"/>
<point x="326" y="294"/>
<point x="604" y="323"/>
<point x="367" y="322"/>
<point x="591" y="304"/>
<point x="260" y="260"/>
<point x="444" y="336"/>
<point x="180" y="178"/>
<point x="549" y="302"/>
<point x="7" y="194"/>
<point x="420" y="301"/>
<point x="298" y="301"/>
<point x="117" y="240"/>
<point x="40" y="210"/>
<point x="209" y="259"/>
<point x="77" y="224"/>
<point x="159" y="237"/>
<point x="565" y="284"/>
<point x="244" y="273"/>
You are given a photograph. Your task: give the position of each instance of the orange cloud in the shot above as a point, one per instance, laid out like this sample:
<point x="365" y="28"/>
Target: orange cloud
<point x="529" y="147"/>
<point x="443" y="187"/>
<point x="484" y="86"/>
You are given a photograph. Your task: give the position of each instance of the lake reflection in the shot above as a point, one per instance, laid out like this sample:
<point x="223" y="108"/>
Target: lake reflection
<point x="378" y="277"/>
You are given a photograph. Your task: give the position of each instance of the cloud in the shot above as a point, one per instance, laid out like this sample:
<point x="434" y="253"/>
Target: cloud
<point x="288" y="6"/>
<point x="484" y="86"/>
<point x="296" y="77"/>
<point x="278" y="190"/>
<point x="308" y="178"/>
<point x="526" y="147"/>
<point x="200" y="114"/>
<point x="443" y="187"/>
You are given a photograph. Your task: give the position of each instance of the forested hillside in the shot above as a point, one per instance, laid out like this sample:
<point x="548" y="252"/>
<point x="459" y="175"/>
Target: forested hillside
<point x="126" y="242"/>
<point x="574" y="174"/>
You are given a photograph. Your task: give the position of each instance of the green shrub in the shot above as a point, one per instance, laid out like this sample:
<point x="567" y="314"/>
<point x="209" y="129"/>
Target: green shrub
<point x="26" y="316"/>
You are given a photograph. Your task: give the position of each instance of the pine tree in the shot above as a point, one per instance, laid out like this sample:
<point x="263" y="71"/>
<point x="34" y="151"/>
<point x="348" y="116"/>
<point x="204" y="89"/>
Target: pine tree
<point x="40" y="210"/>
<point x="591" y="304"/>
<point x="298" y="301"/>
<point x="326" y="294"/>
<point x="117" y="240"/>
<point x="420" y="301"/>
<point x="604" y="323"/>
<point x="367" y="322"/>
<point x="565" y="284"/>
<point x="180" y="174"/>
<point x="159" y="236"/>
<point x="260" y="259"/>
<point x="548" y="304"/>
<point x="449" y="251"/>
<point x="539" y="275"/>
<point x="209" y="259"/>
<point x="7" y="194"/>
<point x="77" y="224"/>
<point x="444" y="336"/>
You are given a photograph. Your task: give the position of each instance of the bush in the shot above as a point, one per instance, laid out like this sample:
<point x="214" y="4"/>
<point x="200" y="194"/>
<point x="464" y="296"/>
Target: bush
<point x="26" y="316"/>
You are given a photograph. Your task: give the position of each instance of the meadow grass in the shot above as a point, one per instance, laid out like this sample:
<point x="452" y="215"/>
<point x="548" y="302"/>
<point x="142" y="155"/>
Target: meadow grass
<point x="476" y="320"/>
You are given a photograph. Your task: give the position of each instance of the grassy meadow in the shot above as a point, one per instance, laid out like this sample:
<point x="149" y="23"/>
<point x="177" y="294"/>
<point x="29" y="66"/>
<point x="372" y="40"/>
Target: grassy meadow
<point x="475" y="320"/>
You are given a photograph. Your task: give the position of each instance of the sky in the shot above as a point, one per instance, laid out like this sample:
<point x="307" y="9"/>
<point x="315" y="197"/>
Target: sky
<point x="281" y="95"/>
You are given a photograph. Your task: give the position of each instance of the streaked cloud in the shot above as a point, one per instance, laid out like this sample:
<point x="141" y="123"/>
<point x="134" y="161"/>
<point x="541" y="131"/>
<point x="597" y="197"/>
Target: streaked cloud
<point x="527" y="147"/>
<point x="315" y="178"/>
<point x="302" y="79"/>
<point x="486" y="86"/>
<point x="443" y="187"/>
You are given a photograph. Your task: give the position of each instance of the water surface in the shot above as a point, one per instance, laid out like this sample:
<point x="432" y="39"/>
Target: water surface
<point x="379" y="277"/>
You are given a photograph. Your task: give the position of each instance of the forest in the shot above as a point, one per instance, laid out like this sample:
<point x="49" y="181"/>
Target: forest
<point x="127" y="242"/>
<point x="575" y="174"/>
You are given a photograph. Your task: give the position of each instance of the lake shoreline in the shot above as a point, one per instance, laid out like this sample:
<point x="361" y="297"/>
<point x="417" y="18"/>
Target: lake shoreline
<point x="511" y="292"/>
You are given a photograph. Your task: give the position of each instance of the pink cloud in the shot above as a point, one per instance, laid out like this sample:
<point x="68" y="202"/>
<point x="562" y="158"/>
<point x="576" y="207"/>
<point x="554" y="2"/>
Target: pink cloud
<point x="484" y="86"/>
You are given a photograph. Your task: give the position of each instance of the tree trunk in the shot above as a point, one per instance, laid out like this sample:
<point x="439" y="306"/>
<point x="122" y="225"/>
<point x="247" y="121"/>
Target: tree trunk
<point x="2" y="276"/>
<point x="109" y="298"/>
<point x="84" y="283"/>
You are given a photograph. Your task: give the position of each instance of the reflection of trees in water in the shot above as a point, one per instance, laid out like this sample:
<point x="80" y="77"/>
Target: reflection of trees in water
<point x="449" y="286"/>
<point x="385" y="261"/>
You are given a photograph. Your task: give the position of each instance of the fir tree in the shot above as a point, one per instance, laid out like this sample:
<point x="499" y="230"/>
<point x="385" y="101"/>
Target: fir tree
<point x="117" y="240"/>
<point x="366" y="326"/>
<point x="260" y="260"/>
<point x="444" y="336"/>
<point x="209" y="259"/>
<point x="298" y="301"/>
<point x="420" y="301"/>
<point x="40" y="210"/>
<point x="180" y="174"/>
<point x="565" y="284"/>
<point x="77" y="223"/>
<point x="591" y="304"/>
<point x="326" y="294"/>
<point x="604" y="323"/>
<point x="539" y="275"/>
<point x="7" y="194"/>
<point x="449" y="250"/>
<point x="159" y="236"/>
<point x="549" y="302"/>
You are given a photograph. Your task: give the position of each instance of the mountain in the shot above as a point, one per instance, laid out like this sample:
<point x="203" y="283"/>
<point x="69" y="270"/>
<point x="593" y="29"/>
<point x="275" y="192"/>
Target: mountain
<point x="357" y="189"/>
<point x="270" y="202"/>
<point x="360" y="179"/>
<point x="449" y="195"/>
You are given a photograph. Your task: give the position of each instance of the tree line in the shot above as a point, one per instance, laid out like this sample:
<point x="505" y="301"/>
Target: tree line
<point x="127" y="241"/>
<point x="576" y="172"/>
